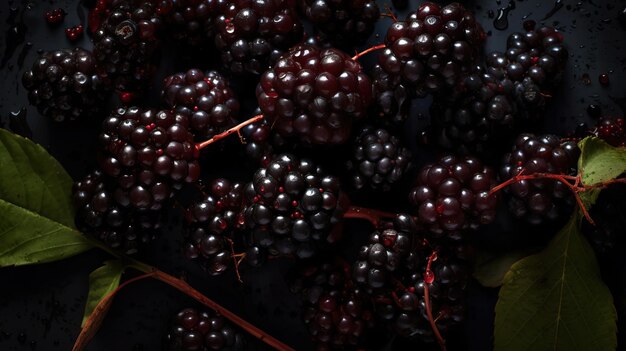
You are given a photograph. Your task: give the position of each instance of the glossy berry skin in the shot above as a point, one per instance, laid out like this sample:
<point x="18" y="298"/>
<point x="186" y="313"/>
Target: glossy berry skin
<point x="191" y="22"/>
<point x="65" y="85"/>
<point x="194" y="330"/>
<point x="126" y="44"/>
<point x="292" y="207"/>
<point x="337" y="313"/>
<point x="98" y="214"/>
<point x="433" y="47"/>
<point x="314" y="95"/>
<point x="341" y="22"/>
<point x="541" y="201"/>
<point x="392" y="96"/>
<point x="149" y="153"/>
<point x="379" y="160"/>
<point x="251" y="35"/>
<point x="612" y="130"/>
<point x="211" y="221"/>
<point x="452" y="196"/>
<point x="206" y="97"/>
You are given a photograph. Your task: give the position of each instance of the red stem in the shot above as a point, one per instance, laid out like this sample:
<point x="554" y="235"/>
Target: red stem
<point x="430" y="275"/>
<point x="373" y="216"/>
<point x="367" y="51"/>
<point x="228" y="132"/>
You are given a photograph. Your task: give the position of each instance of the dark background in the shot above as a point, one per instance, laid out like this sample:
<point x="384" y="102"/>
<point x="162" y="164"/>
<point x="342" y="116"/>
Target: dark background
<point x="41" y="306"/>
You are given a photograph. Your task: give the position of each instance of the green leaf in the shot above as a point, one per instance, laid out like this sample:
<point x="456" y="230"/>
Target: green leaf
<point x="490" y="268"/>
<point x="599" y="161"/>
<point x="102" y="281"/>
<point x="556" y="299"/>
<point x="36" y="212"/>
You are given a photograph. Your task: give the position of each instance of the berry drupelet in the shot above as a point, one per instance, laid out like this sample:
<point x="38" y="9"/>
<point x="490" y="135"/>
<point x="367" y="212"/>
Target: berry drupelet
<point x="149" y="153"/>
<point x="342" y="22"/>
<point x="314" y="95"/>
<point x="378" y="160"/>
<point x="251" y="35"/>
<point x="126" y="44"/>
<point x="292" y="207"/>
<point x="193" y="330"/>
<point x="540" y="201"/>
<point x="206" y="97"/>
<point x="211" y="222"/>
<point x="433" y="47"/>
<point x="452" y="196"/>
<point x="65" y="85"/>
<point x="189" y="21"/>
<point x="98" y="214"/>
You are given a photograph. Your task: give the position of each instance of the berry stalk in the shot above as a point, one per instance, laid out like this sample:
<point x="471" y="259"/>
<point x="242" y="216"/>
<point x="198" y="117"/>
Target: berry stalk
<point x="228" y="132"/>
<point x="429" y="277"/>
<point x="367" y="51"/>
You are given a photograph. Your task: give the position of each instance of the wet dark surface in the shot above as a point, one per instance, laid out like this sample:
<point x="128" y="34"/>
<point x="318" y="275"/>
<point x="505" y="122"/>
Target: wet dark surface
<point x="41" y="306"/>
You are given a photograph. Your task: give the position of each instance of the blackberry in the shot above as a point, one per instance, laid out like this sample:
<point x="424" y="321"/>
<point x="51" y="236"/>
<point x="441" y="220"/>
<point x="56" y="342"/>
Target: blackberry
<point x="126" y="44"/>
<point x="342" y="22"/>
<point x="452" y="196"/>
<point x="64" y="84"/>
<point x="98" y="214"/>
<point x="314" y="94"/>
<point x="392" y="98"/>
<point x="206" y="97"/>
<point x="388" y="250"/>
<point x="211" y="221"/>
<point x="540" y="201"/>
<point x="251" y="35"/>
<point x="292" y="207"/>
<point x="337" y="313"/>
<point x="379" y="160"/>
<point x="477" y="114"/>
<point x="190" y="21"/>
<point x="149" y="153"/>
<point x="612" y="130"/>
<point x="193" y="330"/>
<point x="433" y="47"/>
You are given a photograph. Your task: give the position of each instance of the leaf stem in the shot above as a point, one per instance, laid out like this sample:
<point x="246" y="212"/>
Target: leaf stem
<point x="228" y="132"/>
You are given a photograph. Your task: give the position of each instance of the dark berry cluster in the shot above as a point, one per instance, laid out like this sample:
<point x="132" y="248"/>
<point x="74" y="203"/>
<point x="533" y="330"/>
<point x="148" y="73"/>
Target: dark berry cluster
<point x="612" y="130"/>
<point x="206" y="97"/>
<point x="314" y="94"/>
<point x="65" y="85"/>
<point x="193" y="330"/>
<point x="453" y="195"/>
<point x="342" y="22"/>
<point x="292" y="207"/>
<point x="379" y="160"/>
<point x="211" y="221"/>
<point x="127" y="43"/>
<point x="540" y="200"/>
<point x="251" y="35"/>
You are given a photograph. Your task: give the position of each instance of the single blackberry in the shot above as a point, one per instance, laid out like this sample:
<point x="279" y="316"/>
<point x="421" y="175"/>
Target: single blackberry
<point x="211" y="222"/>
<point x="378" y="161"/>
<point x="149" y="153"/>
<point x="540" y="201"/>
<point x="607" y="233"/>
<point x="251" y="35"/>
<point x="433" y="47"/>
<point x="342" y="22"/>
<point x="126" y="44"/>
<point x="64" y="85"/>
<point x="477" y="114"/>
<point x="452" y="196"/>
<point x="612" y="130"/>
<point x="388" y="250"/>
<point x="206" y="97"/>
<point x="190" y="21"/>
<point x="98" y="214"/>
<point x="337" y="313"/>
<point x="193" y="330"/>
<point x="292" y="207"/>
<point x="314" y="95"/>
